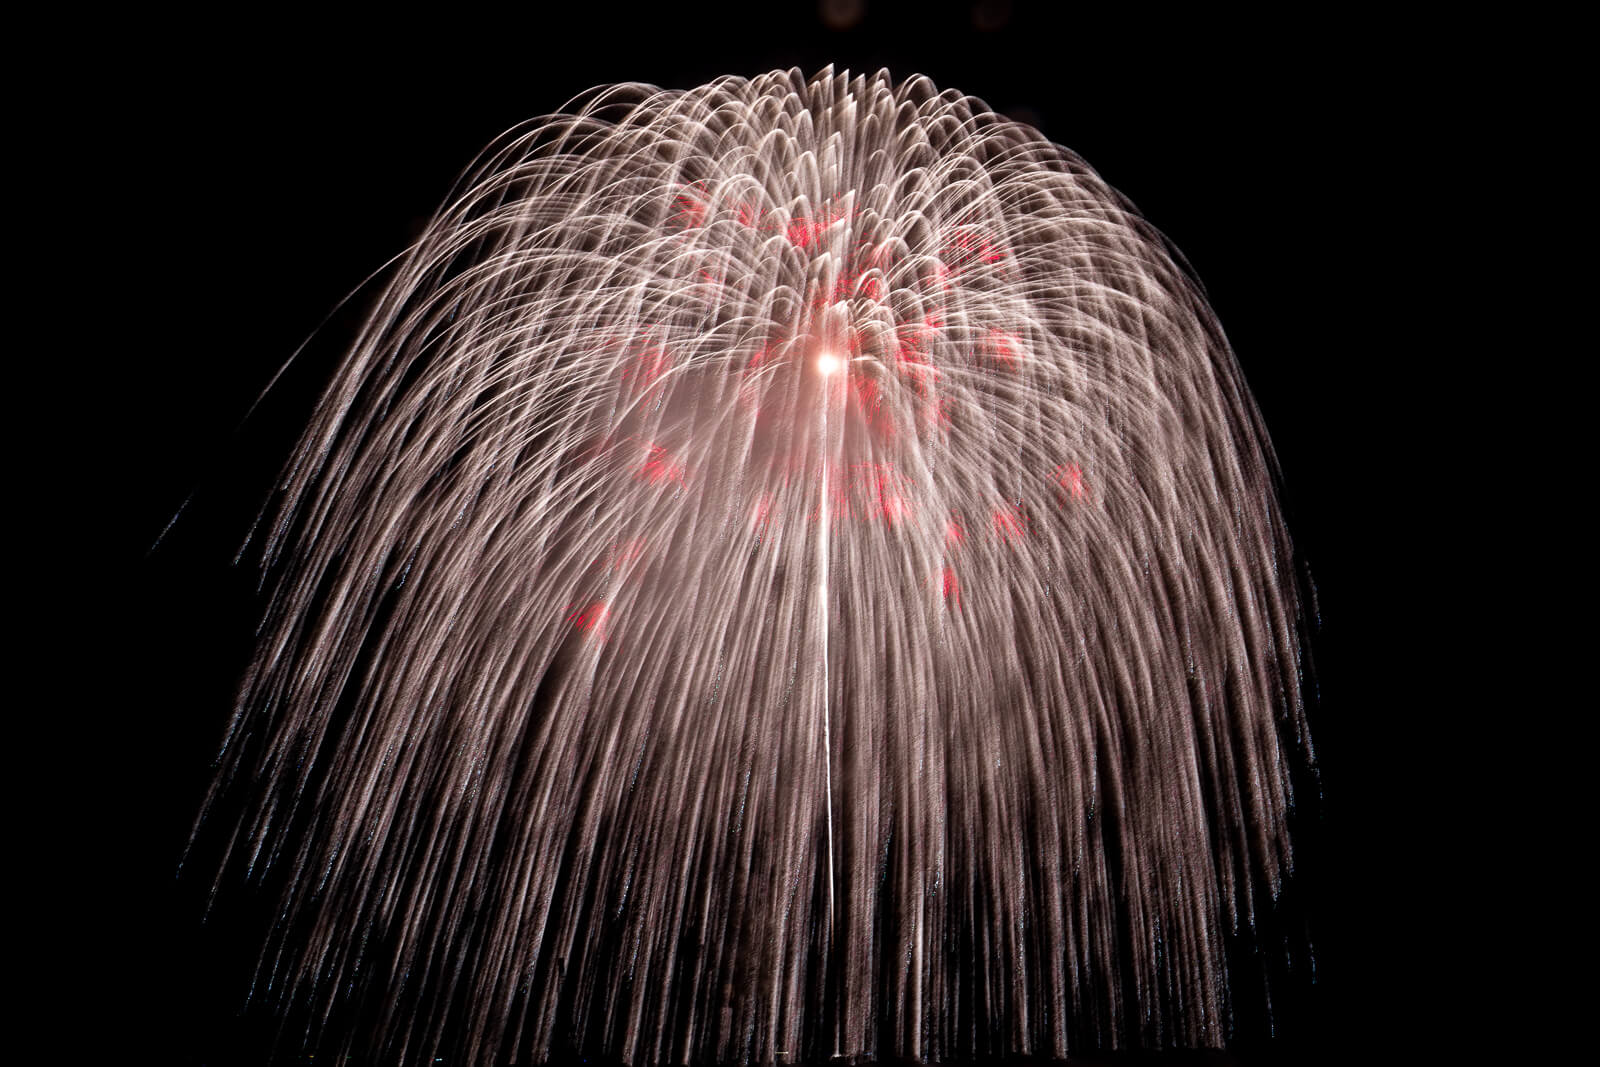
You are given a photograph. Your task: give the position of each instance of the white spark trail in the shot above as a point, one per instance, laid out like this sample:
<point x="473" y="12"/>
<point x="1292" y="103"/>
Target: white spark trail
<point x="532" y="720"/>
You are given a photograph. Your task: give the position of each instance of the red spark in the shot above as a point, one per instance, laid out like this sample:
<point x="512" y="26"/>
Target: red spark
<point x="1009" y="523"/>
<point x="1070" y="477"/>
<point x="803" y="231"/>
<point x="968" y="246"/>
<point x="689" y="208"/>
<point x="950" y="586"/>
<point x="1004" y="347"/>
<point x="859" y="281"/>
<point x="867" y="492"/>
<point x="593" y="619"/>
<point x="887" y="500"/>
<point x="714" y="281"/>
<point x="806" y="230"/>
<point x="661" y="466"/>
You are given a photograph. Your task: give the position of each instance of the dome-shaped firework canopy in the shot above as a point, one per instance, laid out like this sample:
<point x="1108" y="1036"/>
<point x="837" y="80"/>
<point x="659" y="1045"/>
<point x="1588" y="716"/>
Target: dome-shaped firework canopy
<point x="788" y="568"/>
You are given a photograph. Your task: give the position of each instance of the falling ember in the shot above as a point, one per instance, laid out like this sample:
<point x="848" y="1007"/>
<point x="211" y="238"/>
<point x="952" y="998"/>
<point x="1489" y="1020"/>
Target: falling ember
<point x="1004" y="348"/>
<point x="949" y="587"/>
<point x="1009" y="523"/>
<point x="660" y="466"/>
<point x="758" y="368"/>
<point x="623" y="554"/>
<point x="1069" y="476"/>
<point x="591" y="619"/>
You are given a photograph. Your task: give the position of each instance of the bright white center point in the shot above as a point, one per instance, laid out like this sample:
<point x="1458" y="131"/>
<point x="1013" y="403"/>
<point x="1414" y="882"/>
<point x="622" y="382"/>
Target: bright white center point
<point x="827" y="363"/>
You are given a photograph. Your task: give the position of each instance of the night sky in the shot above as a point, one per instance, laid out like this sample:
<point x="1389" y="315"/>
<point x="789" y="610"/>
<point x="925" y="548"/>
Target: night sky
<point x="259" y="169"/>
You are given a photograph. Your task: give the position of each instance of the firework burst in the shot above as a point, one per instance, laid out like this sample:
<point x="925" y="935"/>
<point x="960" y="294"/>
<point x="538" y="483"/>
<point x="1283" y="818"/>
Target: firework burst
<point x="788" y="568"/>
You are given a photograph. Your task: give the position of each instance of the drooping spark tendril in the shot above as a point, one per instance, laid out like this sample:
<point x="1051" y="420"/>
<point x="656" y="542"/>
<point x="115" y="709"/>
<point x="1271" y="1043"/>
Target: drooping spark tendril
<point x="787" y="568"/>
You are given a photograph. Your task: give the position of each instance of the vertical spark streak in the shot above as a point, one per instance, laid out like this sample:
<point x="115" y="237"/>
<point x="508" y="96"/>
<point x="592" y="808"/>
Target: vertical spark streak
<point x="824" y="527"/>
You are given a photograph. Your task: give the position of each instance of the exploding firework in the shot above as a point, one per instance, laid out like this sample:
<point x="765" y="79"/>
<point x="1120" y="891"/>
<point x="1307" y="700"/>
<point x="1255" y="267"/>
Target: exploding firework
<point x="788" y="568"/>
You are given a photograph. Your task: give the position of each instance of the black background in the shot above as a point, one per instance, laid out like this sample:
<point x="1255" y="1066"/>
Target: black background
<point x="245" y="174"/>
